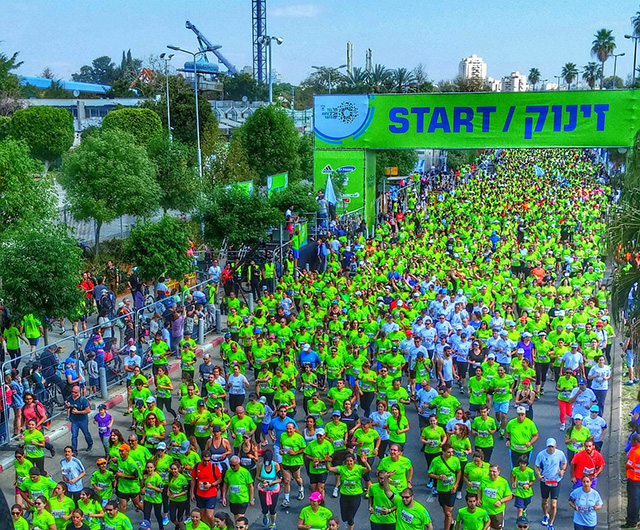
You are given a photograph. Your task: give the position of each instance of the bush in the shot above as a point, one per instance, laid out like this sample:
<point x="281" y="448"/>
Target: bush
<point x="142" y="123"/>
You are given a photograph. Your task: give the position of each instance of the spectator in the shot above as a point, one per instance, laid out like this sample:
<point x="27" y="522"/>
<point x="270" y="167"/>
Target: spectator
<point x="78" y="410"/>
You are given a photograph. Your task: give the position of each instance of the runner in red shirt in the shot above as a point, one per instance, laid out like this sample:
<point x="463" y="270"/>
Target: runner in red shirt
<point x="204" y="486"/>
<point x="589" y="461"/>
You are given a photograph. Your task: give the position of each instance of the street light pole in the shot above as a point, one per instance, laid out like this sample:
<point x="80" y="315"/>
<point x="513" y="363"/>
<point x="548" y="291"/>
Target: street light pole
<point x="266" y="39"/>
<point x="615" y="64"/>
<point x="635" y="52"/>
<point x="166" y="59"/>
<point x="558" y="77"/>
<point x="542" y="83"/>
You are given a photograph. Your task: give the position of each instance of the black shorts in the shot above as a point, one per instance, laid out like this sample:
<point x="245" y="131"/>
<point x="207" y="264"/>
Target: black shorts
<point x="317" y="478"/>
<point x="238" y="508"/>
<point x="127" y="496"/>
<point x="291" y="469"/>
<point x="412" y="374"/>
<point x="206" y="503"/>
<point x="446" y="498"/>
<point x="549" y="491"/>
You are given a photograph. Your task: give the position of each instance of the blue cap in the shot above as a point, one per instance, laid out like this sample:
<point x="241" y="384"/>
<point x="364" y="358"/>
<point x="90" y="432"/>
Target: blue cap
<point x="144" y="525"/>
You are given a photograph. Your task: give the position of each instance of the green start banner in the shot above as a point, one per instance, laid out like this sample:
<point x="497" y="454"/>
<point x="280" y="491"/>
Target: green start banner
<point x="593" y="118"/>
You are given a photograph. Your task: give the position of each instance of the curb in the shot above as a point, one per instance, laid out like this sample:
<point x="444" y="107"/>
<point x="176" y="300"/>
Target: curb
<point x="616" y="426"/>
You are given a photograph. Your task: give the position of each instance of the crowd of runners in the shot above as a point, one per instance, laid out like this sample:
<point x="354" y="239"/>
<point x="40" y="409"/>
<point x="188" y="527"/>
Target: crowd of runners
<point x="444" y="331"/>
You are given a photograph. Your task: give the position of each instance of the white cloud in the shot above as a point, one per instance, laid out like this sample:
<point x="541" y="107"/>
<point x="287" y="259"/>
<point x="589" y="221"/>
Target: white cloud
<point x="296" y="11"/>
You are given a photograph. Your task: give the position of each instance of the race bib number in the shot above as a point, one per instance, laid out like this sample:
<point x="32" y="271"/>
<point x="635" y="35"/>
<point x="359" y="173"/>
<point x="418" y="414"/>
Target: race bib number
<point x="444" y="411"/>
<point x="102" y="430"/>
<point x="338" y="443"/>
<point x="201" y="428"/>
<point x="241" y="430"/>
<point x="379" y="510"/>
<point x="406" y="517"/>
<point x="490" y="493"/>
<point x="246" y="461"/>
<point x="475" y="485"/>
<point x="349" y="484"/>
<point x="190" y="410"/>
<point x="432" y="443"/>
<point x="164" y="475"/>
<point x="449" y="481"/>
<point x="519" y="447"/>
<point x="483" y="434"/>
<point x="235" y="489"/>
<point x="522" y="484"/>
<point x="57" y="513"/>
<point x="395" y="402"/>
<point x="30" y="448"/>
<point x="321" y="465"/>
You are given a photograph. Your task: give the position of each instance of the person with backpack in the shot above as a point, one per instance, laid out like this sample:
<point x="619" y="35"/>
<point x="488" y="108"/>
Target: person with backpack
<point x="34" y="410"/>
<point x="207" y="477"/>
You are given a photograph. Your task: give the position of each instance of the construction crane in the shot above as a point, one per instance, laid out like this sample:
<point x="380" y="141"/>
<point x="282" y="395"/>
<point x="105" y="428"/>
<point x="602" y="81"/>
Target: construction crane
<point x="206" y="46"/>
<point x="146" y="75"/>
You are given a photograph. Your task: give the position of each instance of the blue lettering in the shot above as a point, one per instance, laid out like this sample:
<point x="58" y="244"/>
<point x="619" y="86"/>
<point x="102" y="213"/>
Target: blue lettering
<point x="459" y="121"/>
<point x="600" y="111"/>
<point x="486" y="117"/>
<point x="439" y="120"/>
<point x="573" y="118"/>
<point x="420" y="112"/>
<point x="395" y="116"/>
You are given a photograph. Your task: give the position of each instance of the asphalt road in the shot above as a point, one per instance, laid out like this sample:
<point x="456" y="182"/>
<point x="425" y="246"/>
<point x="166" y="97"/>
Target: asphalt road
<point x="545" y="416"/>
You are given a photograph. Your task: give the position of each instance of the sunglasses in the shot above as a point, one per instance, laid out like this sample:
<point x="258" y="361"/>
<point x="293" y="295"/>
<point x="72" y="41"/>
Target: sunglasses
<point x="406" y="496"/>
<point x="15" y="513"/>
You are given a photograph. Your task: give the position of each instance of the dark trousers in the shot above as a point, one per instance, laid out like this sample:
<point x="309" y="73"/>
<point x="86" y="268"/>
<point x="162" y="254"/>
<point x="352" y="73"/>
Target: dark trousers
<point x="157" y="510"/>
<point x="633" y="502"/>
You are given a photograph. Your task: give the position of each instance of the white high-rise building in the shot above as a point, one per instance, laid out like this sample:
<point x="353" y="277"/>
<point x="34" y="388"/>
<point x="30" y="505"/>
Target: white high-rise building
<point x="514" y="82"/>
<point x="472" y="66"/>
<point x="495" y="84"/>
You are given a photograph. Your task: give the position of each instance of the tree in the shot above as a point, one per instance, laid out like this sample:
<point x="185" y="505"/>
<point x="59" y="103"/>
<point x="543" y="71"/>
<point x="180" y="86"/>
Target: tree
<point x="41" y="267"/>
<point x="10" y="91"/>
<point x="272" y="139"/>
<point x="107" y="176"/>
<point x="229" y="163"/>
<point x="463" y="84"/>
<point x="534" y="77"/>
<point x="423" y="84"/>
<point x="141" y="123"/>
<point x="5" y="127"/>
<point x="610" y="82"/>
<point x="569" y="73"/>
<point x="460" y="157"/>
<point x="209" y="137"/>
<point x="178" y="178"/>
<point x="56" y="91"/>
<point x="379" y="79"/>
<point x="305" y="156"/>
<point x="403" y="80"/>
<point x="23" y="198"/>
<point x="183" y="110"/>
<point x="404" y="159"/>
<point x="239" y="85"/>
<point x="102" y="71"/>
<point x="228" y="212"/>
<point x="299" y="196"/>
<point x="48" y="131"/>
<point x="602" y="47"/>
<point x="356" y="81"/>
<point x="591" y="73"/>
<point x="47" y="73"/>
<point x="159" y="249"/>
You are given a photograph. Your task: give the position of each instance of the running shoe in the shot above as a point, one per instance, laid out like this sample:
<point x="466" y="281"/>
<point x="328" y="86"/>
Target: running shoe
<point x="335" y="493"/>
<point x="545" y="520"/>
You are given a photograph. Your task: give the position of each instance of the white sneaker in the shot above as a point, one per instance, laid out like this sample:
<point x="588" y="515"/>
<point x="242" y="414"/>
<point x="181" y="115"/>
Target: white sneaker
<point x="335" y="493"/>
<point x="458" y="494"/>
<point x="562" y="427"/>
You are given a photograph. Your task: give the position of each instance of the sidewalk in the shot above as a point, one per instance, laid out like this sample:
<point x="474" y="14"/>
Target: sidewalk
<point x="117" y="394"/>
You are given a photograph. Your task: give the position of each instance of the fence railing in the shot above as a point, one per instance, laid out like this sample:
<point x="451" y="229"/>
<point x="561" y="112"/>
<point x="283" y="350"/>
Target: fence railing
<point x="108" y="345"/>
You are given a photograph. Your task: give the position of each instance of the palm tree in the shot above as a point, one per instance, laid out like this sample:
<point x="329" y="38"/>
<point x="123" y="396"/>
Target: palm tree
<point x="379" y="79"/>
<point x="591" y="73"/>
<point x="534" y="77"/>
<point x="569" y="73"/>
<point x="403" y="80"/>
<point x="356" y="81"/>
<point x="602" y="47"/>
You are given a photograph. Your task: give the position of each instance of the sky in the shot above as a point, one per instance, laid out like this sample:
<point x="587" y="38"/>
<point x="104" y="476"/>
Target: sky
<point x="510" y="35"/>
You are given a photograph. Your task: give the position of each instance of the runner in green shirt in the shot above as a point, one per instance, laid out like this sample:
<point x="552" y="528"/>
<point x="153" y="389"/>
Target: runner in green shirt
<point x="446" y="470"/>
<point x="500" y="388"/>
<point x="36" y="486"/>
<point x="475" y="471"/>
<point x="42" y="518"/>
<point x="351" y="475"/>
<point x="102" y="480"/>
<point x="410" y="514"/>
<point x="483" y="428"/>
<point x="114" y="519"/>
<point x="292" y="446"/>
<point x="522" y="480"/>
<point x="128" y="475"/>
<point x="61" y="505"/>
<point x="238" y="482"/>
<point x="522" y="434"/>
<point x="382" y="509"/>
<point x="471" y="517"/>
<point x="314" y="516"/>
<point x="318" y="452"/>
<point x="240" y="424"/>
<point x="494" y="493"/>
